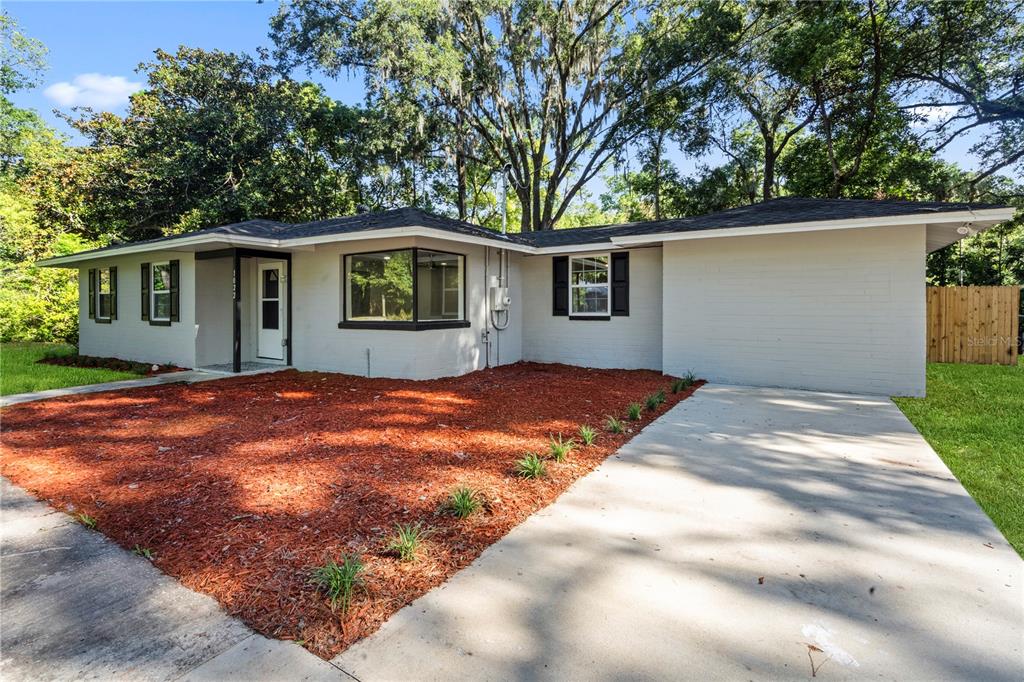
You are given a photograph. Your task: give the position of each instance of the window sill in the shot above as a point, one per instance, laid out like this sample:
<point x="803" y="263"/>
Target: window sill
<point x="100" y="320"/>
<point x="406" y="326"/>
<point x="588" y="318"/>
<point x="160" y="323"/>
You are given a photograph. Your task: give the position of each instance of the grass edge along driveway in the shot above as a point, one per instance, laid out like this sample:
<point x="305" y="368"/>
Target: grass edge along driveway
<point x="974" y="419"/>
<point x="21" y="373"/>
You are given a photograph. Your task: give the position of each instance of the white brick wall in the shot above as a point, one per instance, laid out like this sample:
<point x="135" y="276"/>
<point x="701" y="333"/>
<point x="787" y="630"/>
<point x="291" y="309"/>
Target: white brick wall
<point x="632" y="342"/>
<point x="320" y="345"/>
<point x="840" y="310"/>
<point x="129" y="337"/>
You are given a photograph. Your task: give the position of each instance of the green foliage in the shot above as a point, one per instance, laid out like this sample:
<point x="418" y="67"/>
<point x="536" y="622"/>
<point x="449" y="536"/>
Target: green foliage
<point x="20" y="371"/>
<point x="684" y="382"/>
<point x="531" y="466"/>
<point x="143" y="552"/>
<point x="463" y="501"/>
<point x="587" y="435"/>
<point x="216" y="138"/>
<point x="22" y="59"/>
<point x="86" y="520"/>
<point x="560" y="448"/>
<point x="613" y="425"/>
<point x="339" y="581"/>
<point x="634" y="411"/>
<point x="407" y="540"/>
<point x="654" y="401"/>
<point x="974" y="417"/>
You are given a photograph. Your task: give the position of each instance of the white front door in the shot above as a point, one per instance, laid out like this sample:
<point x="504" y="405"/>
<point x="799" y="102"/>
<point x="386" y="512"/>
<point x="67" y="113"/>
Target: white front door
<point x="270" y="339"/>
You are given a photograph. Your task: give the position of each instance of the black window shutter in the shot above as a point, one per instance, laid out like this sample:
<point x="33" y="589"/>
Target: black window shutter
<point x="620" y="283"/>
<point x="560" y="285"/>
<point x="145" y="291"/>
<point x="175" y="308"/>
<point x="92" y="293"/>
<point x="113" y="293"/>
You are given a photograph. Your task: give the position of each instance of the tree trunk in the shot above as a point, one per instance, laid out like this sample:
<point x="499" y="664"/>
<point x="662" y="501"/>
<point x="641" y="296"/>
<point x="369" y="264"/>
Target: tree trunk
<point x="657" y="174"/>
<point x="768" y="186"/>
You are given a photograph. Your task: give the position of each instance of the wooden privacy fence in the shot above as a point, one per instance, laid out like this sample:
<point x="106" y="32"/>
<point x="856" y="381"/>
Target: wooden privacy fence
<point x="973" y="324"/>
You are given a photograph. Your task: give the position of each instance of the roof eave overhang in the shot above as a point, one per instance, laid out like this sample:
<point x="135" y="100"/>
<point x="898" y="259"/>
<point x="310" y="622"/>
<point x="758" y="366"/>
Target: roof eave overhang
<point x="978" y="220"/>
<point x="192" y="243"/>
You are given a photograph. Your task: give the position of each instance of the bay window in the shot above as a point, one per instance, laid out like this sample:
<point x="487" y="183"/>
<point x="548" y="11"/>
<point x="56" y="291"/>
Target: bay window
<point x="404" y="289"/>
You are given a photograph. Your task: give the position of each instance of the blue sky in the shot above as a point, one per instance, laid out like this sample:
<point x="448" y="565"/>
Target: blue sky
<point x="111" y="38"/>
<point x="96" y="46"/>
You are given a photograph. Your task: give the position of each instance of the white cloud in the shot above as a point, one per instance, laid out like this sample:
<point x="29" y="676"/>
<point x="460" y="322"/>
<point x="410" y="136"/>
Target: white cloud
<point x="94" y="90"/>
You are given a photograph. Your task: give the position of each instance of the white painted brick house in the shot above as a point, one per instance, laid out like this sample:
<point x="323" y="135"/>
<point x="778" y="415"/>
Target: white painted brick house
<point x="804" y="293"/>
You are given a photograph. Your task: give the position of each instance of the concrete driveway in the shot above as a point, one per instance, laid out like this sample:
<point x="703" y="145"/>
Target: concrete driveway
<point x="747" y="534"/>
<point x="75" y="606"/>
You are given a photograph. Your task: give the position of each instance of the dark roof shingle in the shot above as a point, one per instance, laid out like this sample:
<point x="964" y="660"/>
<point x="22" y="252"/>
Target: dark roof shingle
<point x="773" y="212"/>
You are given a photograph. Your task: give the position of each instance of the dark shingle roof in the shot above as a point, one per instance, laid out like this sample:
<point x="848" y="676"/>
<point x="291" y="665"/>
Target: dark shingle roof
<point x="774" y="212"/>
<point x="398" y="217"/>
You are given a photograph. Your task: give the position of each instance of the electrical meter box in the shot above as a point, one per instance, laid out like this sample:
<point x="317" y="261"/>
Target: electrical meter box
<point x="500" y="299"/>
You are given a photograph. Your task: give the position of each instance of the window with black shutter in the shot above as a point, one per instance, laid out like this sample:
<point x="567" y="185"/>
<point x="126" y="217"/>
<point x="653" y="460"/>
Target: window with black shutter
<point x="620" y="283"/>
<point x="560" y="285"/>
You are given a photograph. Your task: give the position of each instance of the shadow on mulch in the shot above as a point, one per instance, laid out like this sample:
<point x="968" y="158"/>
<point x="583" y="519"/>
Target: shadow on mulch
<point x="240" y="487"/>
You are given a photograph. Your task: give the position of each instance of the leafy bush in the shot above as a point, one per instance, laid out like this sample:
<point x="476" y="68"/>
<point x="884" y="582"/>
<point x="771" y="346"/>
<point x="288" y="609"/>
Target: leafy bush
<point x="463" y="502"/>
<point x="531" y="466"/>
<point x="634" y="410"/>
<point x="560" y="449"/>
<point x="587" y="435"/>
<point x="407" y="540"/>
<point x="613" y="425"/>
<point x="340" y="580"/>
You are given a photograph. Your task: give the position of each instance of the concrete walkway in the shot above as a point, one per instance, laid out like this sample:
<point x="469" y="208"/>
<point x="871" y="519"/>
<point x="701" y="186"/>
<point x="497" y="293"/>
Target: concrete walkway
<point x="186" y="377"/>
<point x="747" y="534"/>
<point x="76" y="606"/>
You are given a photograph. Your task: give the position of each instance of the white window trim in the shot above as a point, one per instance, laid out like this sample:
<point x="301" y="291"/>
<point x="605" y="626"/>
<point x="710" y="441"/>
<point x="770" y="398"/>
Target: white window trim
<point x="153" y="293"/>
<point x="99" y="293"/>
<point x="607" y="285"/>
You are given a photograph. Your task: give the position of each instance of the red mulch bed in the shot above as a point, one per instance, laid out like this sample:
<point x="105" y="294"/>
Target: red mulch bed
<point x="240" y="487"/>
<point x="109" y="363"/>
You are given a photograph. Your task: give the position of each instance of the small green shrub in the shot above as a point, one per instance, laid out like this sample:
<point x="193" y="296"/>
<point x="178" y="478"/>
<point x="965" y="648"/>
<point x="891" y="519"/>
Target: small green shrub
<point x="339" y="581"/>
<point x="683" y="383"/>
<point x="634" y="410"/>
<point x="531" y="466"/>
<point x="613" y="425"/>
<point x="463" y="502"/>
<point x="587" y="435"/>
<point x="654" y="401"/>
<point x="143" y="552"/>
<point x="86" y="520"/>
<point x="560" y="449"/>
<point x="407" y="540"/>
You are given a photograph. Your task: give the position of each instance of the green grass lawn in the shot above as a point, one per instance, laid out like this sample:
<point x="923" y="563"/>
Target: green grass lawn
<point x="19" y="372"/>
<point x="974" y="418"/>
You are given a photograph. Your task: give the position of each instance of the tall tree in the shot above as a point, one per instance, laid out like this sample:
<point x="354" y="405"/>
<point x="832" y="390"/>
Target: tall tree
<point x="553" y="89"/>
<point x="963" y="63"/>
<point x="216" y="138"/>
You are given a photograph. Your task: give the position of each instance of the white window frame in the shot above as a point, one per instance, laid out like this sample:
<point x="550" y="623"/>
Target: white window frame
<point x="153" y="293"/>
<point x="607" y="285"/>
<point x="99" y="294"/>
